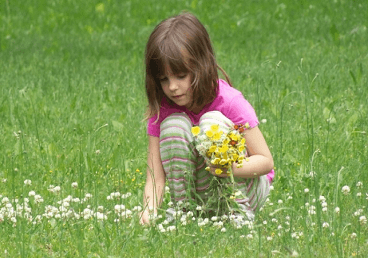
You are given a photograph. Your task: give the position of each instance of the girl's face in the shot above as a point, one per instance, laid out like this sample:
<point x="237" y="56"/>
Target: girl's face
<point x="178" y="88"/>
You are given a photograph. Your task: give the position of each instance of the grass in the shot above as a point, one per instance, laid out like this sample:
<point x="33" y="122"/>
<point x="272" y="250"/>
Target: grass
<point x="72" y="103"/>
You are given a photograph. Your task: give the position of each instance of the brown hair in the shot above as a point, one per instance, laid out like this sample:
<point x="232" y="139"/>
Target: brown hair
<point x="182" y="43"/>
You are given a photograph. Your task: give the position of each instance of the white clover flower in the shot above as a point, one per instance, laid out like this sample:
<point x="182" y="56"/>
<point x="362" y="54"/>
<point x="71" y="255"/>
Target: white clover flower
<point x="128" y="214"/>
<point x="274" y="220"/>
<point x="98" y="152"/>
<point x="27" y="182"/>
<point x="363" y="220"/>
<point x="287" y="217"/>
<point x="249" y="236"/>
<point x="4" y="180"/>
<point x="279" y="201"/>
<point x="118" y="208"/>
<point x="199" y="208"/>
<point x="32" y="193"/>
<point x="264" y="120"/>
<point x="88" y="196"/>
<point x="322" y="198"/>
<point x="306" y="190"/>
<point x="223" y="230"/>
<point x="57" y="189"/>
<point x="167" y="189"/>
<point x="13" y="219"/>
<point x="5" y="200"/>
<point x="214" y="218"/>
<point x="353" y="235"/>
<point x="345" y="190"/>
<point x="337" y="210"/>
<point x="325" y="225"/>
<point x="171" y="228"/>
<point x="359" y="184"/>
<point x="265" y="222"/>
<point x="137" y="208"/>
<point x="75" y="185"/>
<point x="38" y="198"/>
<point x="100" y="216"/>
<point x="359" y="194"/>
<point x="269" y="238"/>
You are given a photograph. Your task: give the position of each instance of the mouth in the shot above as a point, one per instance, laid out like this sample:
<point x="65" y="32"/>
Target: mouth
<point x="178" y="96"/>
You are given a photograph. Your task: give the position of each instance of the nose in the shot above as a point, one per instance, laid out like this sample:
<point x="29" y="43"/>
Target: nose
<point x="173" y="85"/>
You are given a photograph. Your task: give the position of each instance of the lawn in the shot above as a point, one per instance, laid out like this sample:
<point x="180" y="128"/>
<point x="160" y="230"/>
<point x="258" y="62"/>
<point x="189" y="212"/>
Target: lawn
<point x="74" y="143"/>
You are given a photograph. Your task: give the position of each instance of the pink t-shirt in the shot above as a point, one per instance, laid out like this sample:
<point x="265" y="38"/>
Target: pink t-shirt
<point x="229" y="101"/>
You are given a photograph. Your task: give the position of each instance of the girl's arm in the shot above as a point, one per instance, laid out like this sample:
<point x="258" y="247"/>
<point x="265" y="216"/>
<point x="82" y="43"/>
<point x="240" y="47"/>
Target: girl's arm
<point x="260" y="158"/>
<point x="260" y="161"/>
<point x="155" y="181"/>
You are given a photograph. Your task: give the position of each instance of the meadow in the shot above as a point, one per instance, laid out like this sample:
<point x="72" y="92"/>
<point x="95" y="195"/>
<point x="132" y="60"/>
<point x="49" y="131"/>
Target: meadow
<point x="73" y="137"/>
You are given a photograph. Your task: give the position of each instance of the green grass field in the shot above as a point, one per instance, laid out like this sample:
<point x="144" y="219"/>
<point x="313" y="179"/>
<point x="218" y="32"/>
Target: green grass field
<point x="72" y="104"/>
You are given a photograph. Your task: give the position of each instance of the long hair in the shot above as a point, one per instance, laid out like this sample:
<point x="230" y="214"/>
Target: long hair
<point x="181" y="44"/>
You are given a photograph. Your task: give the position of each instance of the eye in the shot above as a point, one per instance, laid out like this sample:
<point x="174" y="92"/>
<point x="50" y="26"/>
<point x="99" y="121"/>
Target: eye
<point x="182" y="76"/>
<point x="162" y="79"/>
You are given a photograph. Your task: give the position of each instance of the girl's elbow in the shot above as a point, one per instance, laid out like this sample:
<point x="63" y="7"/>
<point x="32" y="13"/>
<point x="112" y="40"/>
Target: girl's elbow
<point x="270" y="164"/>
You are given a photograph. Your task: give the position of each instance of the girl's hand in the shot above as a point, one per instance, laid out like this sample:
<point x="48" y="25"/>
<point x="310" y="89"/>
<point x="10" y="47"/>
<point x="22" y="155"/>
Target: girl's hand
<point x="144" y="215"/>
<point x="213" y="171"/>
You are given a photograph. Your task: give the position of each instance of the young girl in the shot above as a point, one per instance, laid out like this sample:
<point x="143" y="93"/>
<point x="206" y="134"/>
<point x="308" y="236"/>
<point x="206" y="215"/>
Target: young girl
<point x="184" y="90"/>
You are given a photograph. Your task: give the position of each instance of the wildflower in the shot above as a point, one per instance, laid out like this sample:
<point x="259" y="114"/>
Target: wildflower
<point x="359" y="194"/>
<point x="31" y="193"/>
<point x="249" y="236"/>
<point x="306" y="190"/>
<point x="198" y="208"/>
<point x="279" y="201"/>
<point x="359" y="184"/>
<point x="353" y="235"/>
<point x="263" y="121"/>
<point x="363" y="220"/>
<point x="337" y="210"/>
<point x="223" y="230"/>
<point x="325" y="225"/>
<point x="196" y="130"/>
<point x="27" y="182"/>
<point x="345" y="190"/>
<point x="98" y="152"/>
<point x="75" y="185"/>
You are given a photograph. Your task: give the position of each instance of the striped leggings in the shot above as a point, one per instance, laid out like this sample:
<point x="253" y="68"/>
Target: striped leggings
<point x="185" y="168"/>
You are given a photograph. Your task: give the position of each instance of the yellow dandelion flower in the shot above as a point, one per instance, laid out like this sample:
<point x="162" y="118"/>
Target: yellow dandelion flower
<point x="215" y="161"/>
<point x="218" y="171"/>
<point x="217" y="136"/>
<point x="214" y="128"/>
<point x="207" y="168"/>
<point x="223" y="162"/>
<point x="196" y="130"/>
<point x="233" y="137"/>
<point x="240" y="148"/>
<point x="209" y="134"/>
<point x="137" y="170"/>
<point x="247" y="125"/>
<point x="212" y="148"/>
<point x="242" y="141"/>
<point x="223" y="148"/>
<point x="226" y="141"/>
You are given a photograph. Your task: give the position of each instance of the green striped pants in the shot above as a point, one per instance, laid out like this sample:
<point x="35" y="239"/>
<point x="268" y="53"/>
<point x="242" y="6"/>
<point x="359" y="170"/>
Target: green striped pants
<point x="185" y="168"/>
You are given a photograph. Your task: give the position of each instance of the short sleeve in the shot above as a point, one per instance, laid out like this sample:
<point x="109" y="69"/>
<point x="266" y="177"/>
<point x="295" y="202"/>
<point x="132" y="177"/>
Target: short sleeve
<point x="241" y="111"/>
<point x="153" y="127"/>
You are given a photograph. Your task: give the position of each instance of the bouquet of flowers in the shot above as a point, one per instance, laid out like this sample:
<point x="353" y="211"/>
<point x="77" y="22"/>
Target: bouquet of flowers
<point x="219" y="149"/>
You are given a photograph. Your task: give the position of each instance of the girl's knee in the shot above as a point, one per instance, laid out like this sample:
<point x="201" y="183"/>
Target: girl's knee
<point x="177" y="125"/>
<point x="215" y="117"/>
